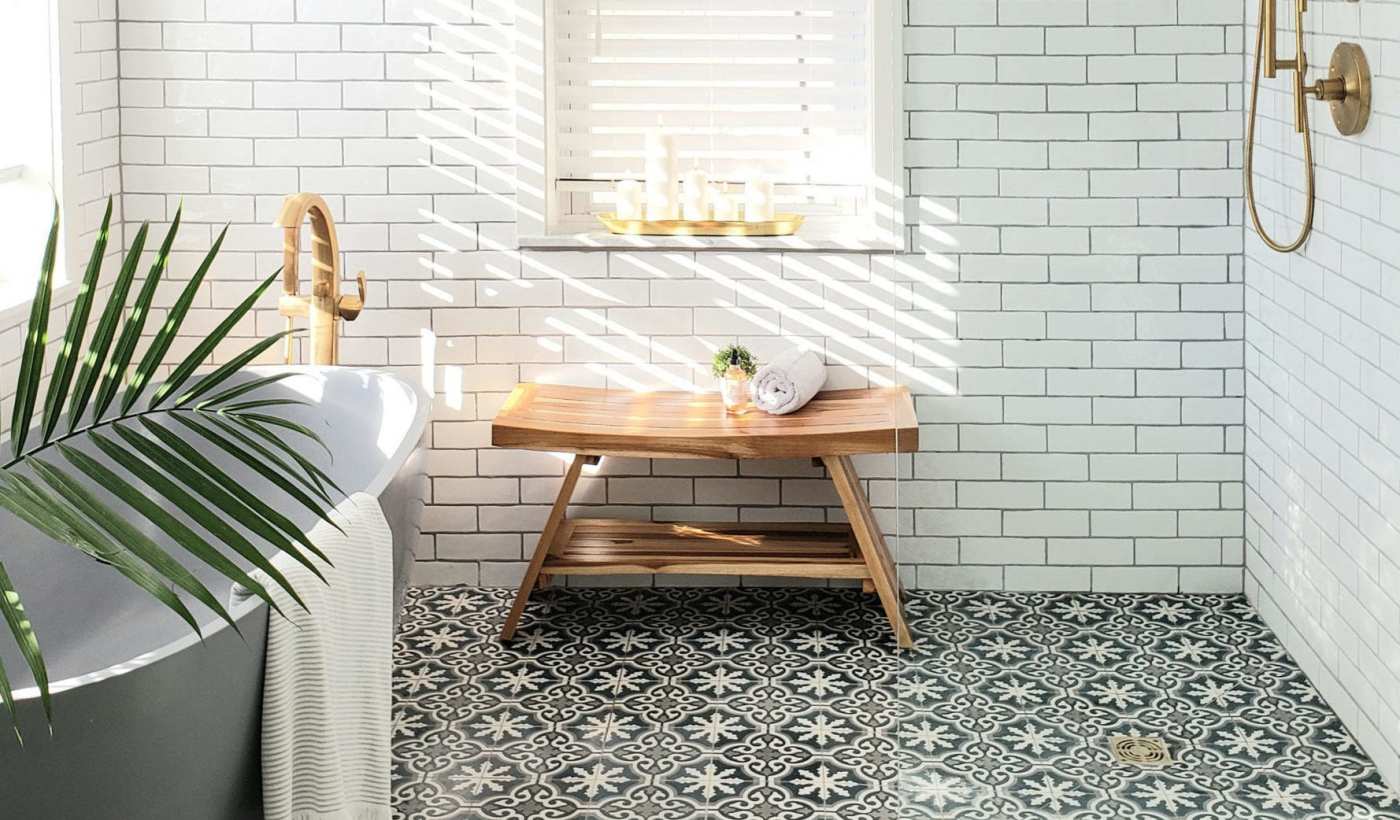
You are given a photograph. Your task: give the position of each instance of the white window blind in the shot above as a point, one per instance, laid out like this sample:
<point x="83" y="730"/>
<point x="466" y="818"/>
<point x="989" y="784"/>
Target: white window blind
<point x="776" y="88"/>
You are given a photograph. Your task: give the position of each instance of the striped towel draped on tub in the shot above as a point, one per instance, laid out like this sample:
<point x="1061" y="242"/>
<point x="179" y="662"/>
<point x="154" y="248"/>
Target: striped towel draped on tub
<point x="325" y="724"/>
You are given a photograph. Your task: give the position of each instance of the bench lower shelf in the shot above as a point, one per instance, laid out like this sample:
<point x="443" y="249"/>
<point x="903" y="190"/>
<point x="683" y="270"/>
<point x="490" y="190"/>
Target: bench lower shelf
<point x="795" y="550"/>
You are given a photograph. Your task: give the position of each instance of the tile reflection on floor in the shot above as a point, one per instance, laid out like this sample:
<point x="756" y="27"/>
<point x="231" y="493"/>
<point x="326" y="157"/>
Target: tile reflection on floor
<point x="787" y="704"/>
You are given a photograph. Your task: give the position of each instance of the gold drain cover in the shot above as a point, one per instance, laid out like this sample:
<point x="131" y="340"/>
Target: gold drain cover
<point x="1133" y="750"/>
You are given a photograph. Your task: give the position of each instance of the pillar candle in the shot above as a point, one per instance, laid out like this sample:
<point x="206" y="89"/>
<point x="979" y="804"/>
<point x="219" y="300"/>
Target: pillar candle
<point x="629" y="200"/>
<point x="695" y="197"/>
<point x="662" y="178"/>
<point x="724" y="206"/>
<point x="759" y="204"/>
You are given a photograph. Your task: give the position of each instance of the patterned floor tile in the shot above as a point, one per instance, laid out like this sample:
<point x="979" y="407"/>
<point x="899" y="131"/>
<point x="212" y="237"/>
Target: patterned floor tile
<point x="790" y="704"/>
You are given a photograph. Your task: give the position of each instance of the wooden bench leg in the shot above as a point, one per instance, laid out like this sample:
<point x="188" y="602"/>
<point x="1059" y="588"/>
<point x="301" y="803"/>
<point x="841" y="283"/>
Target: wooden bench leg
<point x="883" y="573"/>
<point x="546" y="543"/>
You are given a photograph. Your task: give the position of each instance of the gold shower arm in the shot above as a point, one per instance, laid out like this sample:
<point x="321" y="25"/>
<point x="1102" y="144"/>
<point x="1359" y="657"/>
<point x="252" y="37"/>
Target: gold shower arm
<point x="1268" y="37"/>
<point x="1300" y="69"/>
<point x="1268" y="49"/>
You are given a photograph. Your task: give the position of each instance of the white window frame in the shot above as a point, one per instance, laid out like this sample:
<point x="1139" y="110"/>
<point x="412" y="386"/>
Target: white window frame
<point x="880" y="226"/>
<point x="63" y="36"/>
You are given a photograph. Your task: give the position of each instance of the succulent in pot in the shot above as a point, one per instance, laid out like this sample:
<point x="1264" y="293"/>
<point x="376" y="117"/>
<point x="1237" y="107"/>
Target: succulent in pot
<point x="734" y="365"/>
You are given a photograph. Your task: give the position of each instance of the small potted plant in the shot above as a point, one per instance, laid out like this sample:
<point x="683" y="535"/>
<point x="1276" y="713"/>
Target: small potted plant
<point x="734" y="366"/>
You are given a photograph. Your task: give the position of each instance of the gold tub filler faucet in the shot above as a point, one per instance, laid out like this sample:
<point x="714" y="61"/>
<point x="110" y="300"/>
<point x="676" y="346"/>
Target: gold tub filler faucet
<point x="325" y="306"/>
<point x="1346" y="88"/>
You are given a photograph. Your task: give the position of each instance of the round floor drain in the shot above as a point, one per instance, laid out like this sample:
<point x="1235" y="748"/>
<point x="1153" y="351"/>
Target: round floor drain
<point x="1134" y="750"/>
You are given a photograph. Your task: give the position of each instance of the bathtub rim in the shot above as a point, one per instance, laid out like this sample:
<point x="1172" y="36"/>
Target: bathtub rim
<point x="240" y="608"/>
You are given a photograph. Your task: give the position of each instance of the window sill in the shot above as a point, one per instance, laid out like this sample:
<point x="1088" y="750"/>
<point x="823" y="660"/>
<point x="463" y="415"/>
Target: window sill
<point x="15" y="302"/>
<point x="803" y="241"/>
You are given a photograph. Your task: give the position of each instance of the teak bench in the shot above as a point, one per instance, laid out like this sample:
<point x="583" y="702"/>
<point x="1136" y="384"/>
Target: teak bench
<point x="591" y="423"/>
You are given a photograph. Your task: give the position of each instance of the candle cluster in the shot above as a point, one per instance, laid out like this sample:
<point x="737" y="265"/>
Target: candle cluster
<point x="661" y="196"/>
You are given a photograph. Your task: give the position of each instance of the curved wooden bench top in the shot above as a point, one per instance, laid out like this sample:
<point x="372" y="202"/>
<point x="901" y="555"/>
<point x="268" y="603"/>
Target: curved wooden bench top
<point x="593" y="421"/>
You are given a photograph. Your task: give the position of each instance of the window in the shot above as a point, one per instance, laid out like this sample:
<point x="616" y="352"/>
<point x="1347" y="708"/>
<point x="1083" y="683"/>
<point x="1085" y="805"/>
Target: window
<point x="800" y="92"/>
<point x="27" y="145"/>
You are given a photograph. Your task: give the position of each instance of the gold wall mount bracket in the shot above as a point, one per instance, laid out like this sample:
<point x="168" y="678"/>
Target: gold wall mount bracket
<point x="1347" y="88"/>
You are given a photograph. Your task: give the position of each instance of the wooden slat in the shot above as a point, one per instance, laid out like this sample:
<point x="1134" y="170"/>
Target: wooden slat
<point x="602" y="547"/>
<point x="689" y="425"/>
<point x="554" y="530"/>
<point x="872" y="544"/>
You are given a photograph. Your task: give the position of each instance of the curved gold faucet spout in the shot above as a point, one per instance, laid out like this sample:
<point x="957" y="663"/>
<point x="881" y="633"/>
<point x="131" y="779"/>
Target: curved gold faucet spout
<point x="325" y="306"/>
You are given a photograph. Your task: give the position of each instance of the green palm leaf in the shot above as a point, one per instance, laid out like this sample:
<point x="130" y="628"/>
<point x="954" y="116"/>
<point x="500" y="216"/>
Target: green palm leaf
<point x="214" y="492"/>
<point x="258" y="466"/>
<point x="128" y="536"/>
<point x="86" y="538"/>
<point x="162" y="479"/>
<point x="101" y="345"/>
<point x="259" y="404"/>
<point x="7" y="695"/>
<point x="160" y="345"/>
<point x="316" y="473"/>
<point x="23" y="632"/>
<point x="186" y="368"/>
<point x="197" y="511"/>
<point x="285" y="424"/>
<point x="67" y="364"/>
<point x="135" y="323"/>
<point x="305" y="479"/>
<point x="169" y="524"/>
<point x="240" y="389"/>
<point x="192" y="456"/>
<point x="36" y="338"/>
<point x="230" y="367"/>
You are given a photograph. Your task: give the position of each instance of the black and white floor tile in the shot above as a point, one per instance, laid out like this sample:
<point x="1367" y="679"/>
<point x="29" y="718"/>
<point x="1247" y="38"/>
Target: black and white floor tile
<point x="783" y="704"/>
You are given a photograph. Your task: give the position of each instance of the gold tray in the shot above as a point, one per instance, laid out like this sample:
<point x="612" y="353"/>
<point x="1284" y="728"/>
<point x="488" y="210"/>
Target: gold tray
<point x="783" y="225"/>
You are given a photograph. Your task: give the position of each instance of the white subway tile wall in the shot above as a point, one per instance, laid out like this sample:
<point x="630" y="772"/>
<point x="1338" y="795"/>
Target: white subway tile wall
<point x="1322" y="474"/>
<point x="1069" y="317"/>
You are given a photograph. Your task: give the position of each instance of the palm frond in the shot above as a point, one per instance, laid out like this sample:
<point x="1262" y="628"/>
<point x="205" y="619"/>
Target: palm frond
<point x="230" y="367"/>
<point x="302" y="474"/>
<point x="285" y="424"/>
<point x="137" y="542"/>
<point x="67" y="364"/>
<point x="87" y="538"/>
<point x="192" y="456"/>
<point x="156" y="514"/>
<point x="23" y="632"/>
<point x="90" y="499"/>
<point x="214" y="493"/>
<point x="201" y="428"/>
<point x="36" y="338"/>
<point x="197" y="511"/>
<point x="237" y="390"/>
<point x="201" y="352"/>
<point x="135" y="323"/>
<point x="174" y="318"/>
<point x="96" y="358"/>
<point x="317" y="474"/>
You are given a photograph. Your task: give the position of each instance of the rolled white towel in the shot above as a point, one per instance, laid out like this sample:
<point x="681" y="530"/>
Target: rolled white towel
<point x="788" y="382"/>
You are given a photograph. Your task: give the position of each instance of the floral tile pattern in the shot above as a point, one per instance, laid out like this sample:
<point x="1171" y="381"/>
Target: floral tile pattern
<point x="782" y="704"/>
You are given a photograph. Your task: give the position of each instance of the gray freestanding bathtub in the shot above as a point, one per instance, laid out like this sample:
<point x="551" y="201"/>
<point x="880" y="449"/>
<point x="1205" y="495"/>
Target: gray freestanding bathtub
<point x="150" y="723"/>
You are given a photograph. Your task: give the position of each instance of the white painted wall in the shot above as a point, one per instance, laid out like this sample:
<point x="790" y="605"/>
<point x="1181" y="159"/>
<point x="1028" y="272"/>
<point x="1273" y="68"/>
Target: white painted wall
<point x="1073" y="167"/>
<point x="1323" y="339"/>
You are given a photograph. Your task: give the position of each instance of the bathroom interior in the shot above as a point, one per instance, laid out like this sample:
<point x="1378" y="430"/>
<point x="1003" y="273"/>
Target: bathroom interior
<point x="428" y="409"/>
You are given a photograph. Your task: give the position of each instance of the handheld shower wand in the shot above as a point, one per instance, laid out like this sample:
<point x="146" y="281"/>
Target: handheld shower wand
<point x="1347" y="90"/>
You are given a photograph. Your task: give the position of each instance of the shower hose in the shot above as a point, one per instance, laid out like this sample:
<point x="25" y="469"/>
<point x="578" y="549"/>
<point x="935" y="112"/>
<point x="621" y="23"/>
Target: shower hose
<point x="1302" y="237"/>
